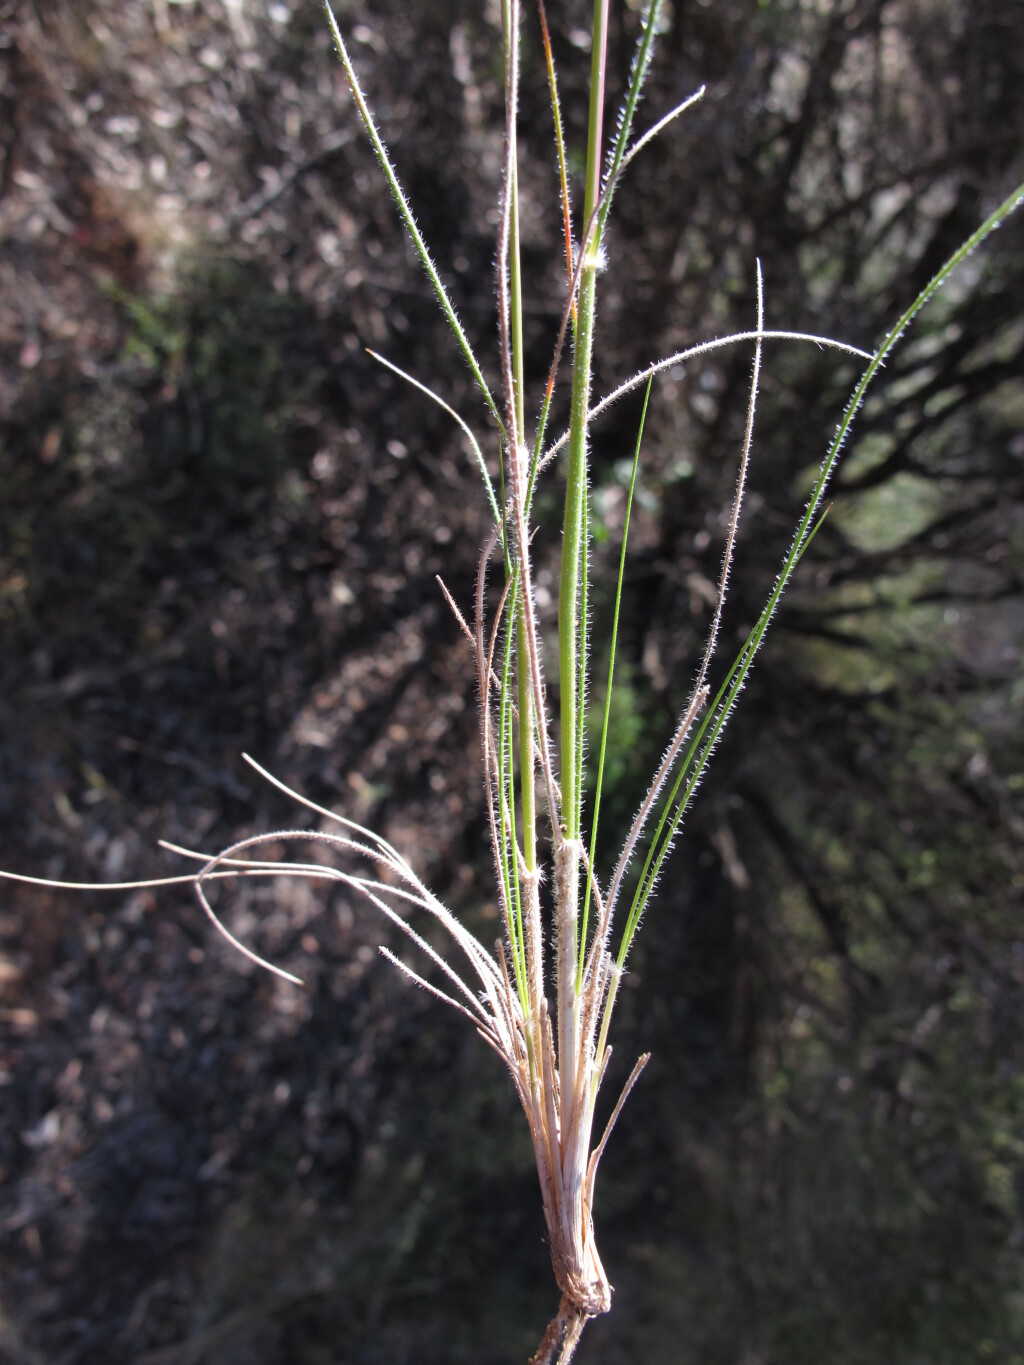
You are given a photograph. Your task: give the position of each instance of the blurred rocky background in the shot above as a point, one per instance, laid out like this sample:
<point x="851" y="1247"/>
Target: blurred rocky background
<point x="219" y="528"/>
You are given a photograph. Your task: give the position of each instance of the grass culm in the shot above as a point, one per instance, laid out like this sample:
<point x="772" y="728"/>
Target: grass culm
<point x="544" y="997"/>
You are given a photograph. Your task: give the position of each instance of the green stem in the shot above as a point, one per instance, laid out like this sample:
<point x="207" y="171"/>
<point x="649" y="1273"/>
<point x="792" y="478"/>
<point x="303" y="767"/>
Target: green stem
<point x="406" y="212"/>
<point x="516" y="289"/>
<point x="608" y="689"/>
<point x="517" y="424"/>
<point x="571" y="625"/>
<point x="507" y="813"/>
<point x="718" y="714"/>
<point x="527" y="752"/>
<point x="595" y="126"/>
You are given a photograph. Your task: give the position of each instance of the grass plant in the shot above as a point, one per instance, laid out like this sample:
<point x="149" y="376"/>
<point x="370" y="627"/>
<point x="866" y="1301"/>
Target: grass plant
<point x="544" y="997"/>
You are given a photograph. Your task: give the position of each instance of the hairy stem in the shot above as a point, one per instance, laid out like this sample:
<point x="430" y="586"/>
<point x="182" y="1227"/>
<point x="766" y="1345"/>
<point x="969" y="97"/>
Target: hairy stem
<point x="559" y="1342"/>
<point x="571" y="626"/>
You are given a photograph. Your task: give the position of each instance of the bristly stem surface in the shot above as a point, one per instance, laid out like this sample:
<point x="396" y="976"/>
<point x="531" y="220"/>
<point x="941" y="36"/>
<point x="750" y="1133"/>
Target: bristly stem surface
<point x="557" y="1060"/>
<point x="572" y="626"/>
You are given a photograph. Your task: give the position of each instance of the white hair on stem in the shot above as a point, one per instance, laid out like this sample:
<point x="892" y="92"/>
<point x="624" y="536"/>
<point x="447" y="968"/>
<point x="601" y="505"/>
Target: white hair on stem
<point x="504" y="993"/>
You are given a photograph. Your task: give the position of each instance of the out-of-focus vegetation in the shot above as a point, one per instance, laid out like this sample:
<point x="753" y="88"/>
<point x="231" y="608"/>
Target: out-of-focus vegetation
<point x="218" y="531"/>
